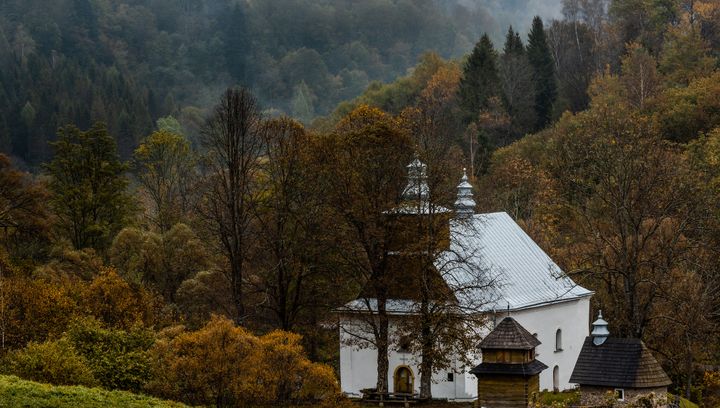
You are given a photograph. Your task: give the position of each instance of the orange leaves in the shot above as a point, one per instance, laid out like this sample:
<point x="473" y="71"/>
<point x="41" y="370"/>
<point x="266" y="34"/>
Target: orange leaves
<point x="115" y="302"/>
<point x="225" y="365"/>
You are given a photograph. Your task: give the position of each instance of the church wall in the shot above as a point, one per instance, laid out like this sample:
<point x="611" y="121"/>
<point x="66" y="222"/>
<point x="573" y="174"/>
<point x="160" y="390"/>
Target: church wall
<point x="358" y="371"/>
<point x="573" y="318"/>
<point x="357" y="365"/>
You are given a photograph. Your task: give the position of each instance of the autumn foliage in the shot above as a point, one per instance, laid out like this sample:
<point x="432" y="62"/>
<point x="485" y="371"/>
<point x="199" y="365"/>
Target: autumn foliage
<point x="225" y="365"/>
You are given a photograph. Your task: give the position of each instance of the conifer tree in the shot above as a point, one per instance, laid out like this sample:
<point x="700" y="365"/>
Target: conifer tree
<point x="480" y="78"/>
<point x="513" y="43"/>
<point x="543" y="73"/>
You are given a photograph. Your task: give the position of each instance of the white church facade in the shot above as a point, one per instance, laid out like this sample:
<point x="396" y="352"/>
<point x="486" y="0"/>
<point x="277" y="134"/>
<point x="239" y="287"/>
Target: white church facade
<point x="530" y="287"/>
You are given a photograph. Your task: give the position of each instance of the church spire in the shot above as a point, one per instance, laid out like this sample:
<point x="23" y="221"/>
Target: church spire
<point x="417" y="188"/>
<point x="465" y="204"/>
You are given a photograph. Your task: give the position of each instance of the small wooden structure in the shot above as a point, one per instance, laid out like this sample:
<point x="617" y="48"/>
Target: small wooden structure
<point x="509" y="372"/>
<point x="623" y="368"/>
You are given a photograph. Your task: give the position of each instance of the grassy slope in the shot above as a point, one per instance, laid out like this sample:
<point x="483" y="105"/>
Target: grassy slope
<point x="15" y="392"/>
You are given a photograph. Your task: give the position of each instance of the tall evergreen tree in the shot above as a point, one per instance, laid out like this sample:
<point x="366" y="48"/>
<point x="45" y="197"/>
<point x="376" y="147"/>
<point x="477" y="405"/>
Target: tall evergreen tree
<point x="480" y="78"/>
<point x="543" y="73"/>
<point x="513" y="43"/>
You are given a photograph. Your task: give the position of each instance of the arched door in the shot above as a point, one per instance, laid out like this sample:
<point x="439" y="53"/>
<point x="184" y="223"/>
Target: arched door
<point x="556" y="378"/>
<point x="403" y="380"/>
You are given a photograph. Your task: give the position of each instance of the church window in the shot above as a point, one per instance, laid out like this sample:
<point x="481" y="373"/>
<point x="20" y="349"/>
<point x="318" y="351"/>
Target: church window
<point x="404" y="345"/>
<point x="558" y="340"/>
<point x="451" y="376"/>
<point x="620" y="394"/>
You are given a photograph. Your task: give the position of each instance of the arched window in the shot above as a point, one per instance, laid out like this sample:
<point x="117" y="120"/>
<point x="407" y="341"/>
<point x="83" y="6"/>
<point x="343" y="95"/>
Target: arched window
<point x="556" y="378"/>
<point x="558" y="340"/>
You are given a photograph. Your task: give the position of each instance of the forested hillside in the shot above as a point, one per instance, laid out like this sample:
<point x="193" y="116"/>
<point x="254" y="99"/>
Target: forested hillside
<point x="196" y="244"/>
<point x="128" y="63"/>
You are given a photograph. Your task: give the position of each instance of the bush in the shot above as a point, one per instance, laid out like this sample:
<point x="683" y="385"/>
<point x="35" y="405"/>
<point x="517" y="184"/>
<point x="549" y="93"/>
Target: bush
<point x="54" y="362"/>
<point x="225" y="365"/>
<point x="119" y="359"/>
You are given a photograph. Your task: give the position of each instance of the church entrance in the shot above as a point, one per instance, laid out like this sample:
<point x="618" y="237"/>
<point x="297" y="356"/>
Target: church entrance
<point x="403" y="380"/>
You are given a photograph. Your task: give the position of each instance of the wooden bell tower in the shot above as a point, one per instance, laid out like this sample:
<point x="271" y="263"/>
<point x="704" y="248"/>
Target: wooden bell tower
<point x="509" y="373"/>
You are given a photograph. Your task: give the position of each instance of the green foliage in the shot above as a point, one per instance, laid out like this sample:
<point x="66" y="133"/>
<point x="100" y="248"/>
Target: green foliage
<point x="164" y="164"/>
<point x="480" y="78"/>
<point x="543" y="73"/>
<point x="161" y="261"/>
<point x="15" y="392"/>
<point x="88" y="185"/>
<point x="685" y="113"/>
<point x="54" y="362"/>
<point x="118" y="359"/>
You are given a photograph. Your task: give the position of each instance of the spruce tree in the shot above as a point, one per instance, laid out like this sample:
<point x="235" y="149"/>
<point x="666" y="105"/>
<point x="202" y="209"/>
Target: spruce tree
<point x="480" y="78"/>
<point x="513" y="43"/>
<point x="543" y="73"/>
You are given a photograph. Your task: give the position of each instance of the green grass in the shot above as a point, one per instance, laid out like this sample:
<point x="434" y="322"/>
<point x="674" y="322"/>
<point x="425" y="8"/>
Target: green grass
<point x="568" y="397"/>
<point x="683" y="402"/>
<point x="15" y="392"/>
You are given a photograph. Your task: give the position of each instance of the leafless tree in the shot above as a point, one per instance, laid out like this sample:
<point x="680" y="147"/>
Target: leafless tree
<point x="233" y="142"/>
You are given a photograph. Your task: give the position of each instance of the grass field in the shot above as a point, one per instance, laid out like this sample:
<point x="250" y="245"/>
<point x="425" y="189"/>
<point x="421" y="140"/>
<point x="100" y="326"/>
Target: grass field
<point x="15" y="392"/>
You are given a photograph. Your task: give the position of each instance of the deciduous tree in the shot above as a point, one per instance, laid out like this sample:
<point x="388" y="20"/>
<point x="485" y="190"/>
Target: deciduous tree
<point x="232" y="138"/>
<point x="88" y="183"/>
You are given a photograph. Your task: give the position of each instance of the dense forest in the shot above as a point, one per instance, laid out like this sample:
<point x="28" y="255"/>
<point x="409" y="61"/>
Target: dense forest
<point x="165" y="233"/>
<point x="128" y="63"/>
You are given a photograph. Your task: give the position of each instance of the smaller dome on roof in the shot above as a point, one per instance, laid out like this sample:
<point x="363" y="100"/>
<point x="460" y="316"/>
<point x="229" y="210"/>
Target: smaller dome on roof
<point x="465" y="204"/>
<point x="600" y="331"/>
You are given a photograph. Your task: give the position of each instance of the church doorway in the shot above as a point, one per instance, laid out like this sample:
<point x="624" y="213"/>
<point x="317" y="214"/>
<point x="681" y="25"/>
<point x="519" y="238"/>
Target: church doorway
<point x="556" y="379"/>
<point x="403" y="380"/>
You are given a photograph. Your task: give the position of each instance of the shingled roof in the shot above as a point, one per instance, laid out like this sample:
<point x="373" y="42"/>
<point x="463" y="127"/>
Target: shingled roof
<point x="509" y="335"/>
<point x="531" y="368"/>
<point x="623" y="363"/>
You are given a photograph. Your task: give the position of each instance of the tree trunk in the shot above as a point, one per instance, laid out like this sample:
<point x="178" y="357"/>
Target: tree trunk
<point x="236" y="282"/>
<point x="426" y="364"/>
<point x="382" y="347"/>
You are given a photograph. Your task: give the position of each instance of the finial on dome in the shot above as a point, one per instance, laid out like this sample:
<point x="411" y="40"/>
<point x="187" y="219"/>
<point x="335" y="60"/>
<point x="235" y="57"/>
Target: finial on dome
<point x="465" y="204"/>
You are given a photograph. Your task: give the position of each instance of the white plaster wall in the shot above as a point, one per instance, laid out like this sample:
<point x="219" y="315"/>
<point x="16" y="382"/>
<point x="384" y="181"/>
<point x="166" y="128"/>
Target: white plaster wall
<point x="573" y="318"/>
<point x="358" y="371"/>
<point x="358" y="365"/>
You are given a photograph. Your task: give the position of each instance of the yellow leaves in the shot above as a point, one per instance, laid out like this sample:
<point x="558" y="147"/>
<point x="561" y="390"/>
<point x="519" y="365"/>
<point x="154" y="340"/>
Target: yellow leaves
<point x="112" y="300"/>
<point x="223" y="362"/>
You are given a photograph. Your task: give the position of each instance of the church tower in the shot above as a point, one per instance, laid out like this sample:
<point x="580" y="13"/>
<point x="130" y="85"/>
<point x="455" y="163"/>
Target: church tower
<point x="418" y="224"/>
<point x="465" y="204"/>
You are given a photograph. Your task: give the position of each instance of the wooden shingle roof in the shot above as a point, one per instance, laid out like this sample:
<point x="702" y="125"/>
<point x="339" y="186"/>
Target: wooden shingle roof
<point x="623" y="363"/>
<point x="509" y="335"/>
<point x="525" y="369"/>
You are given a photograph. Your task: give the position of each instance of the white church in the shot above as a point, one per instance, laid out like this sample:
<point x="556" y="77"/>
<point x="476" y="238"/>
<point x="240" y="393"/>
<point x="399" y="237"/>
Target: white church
<point x="530" y="287"/>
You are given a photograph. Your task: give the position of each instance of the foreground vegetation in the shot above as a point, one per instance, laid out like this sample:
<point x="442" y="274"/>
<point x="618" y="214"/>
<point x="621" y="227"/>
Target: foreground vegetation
<point x="207" y="267"/>
<point x="15" y="392"/>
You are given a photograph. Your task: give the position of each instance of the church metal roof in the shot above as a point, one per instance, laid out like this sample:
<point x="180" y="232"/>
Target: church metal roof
<point x="518" y="274"/>
<point x="524" y="275"/>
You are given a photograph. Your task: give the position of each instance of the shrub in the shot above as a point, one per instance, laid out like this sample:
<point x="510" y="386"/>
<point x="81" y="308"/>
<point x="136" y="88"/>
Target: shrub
<point x="119" y="359"/>
<point x="54" y="362"/>
<point x="225" y="365"/>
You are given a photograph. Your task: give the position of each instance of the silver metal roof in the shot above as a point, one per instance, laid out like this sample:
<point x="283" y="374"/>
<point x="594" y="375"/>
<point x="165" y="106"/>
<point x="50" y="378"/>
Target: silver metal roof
<point x="525" y="275"/>
<point x="495" y="247"/>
